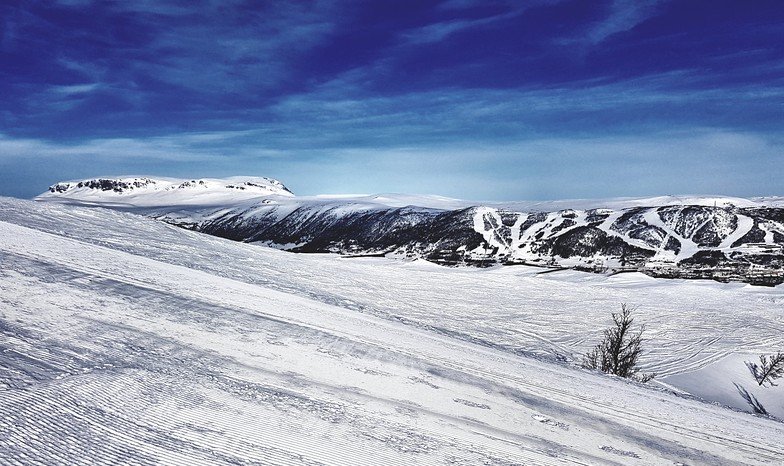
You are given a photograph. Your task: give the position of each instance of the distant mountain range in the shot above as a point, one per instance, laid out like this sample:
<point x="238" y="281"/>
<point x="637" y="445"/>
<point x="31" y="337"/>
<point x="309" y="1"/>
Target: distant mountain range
<point x="691" y="237"/>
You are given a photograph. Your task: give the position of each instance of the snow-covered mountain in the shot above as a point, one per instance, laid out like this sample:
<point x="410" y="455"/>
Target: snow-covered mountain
<point x="688" y="236"/>
<point x="142" y="191"/>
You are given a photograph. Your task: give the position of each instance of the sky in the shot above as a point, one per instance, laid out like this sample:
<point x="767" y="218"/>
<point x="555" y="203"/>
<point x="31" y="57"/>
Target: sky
<point x="495" y="100"/>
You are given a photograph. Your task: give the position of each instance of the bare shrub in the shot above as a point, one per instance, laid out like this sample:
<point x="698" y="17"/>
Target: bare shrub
<point x="620" y="349"/>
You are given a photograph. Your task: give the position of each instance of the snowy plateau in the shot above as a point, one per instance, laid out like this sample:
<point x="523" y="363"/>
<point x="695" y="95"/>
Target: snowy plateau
<point x="128" y="336"/>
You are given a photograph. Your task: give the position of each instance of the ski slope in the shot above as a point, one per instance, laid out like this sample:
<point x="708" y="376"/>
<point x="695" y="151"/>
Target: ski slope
<point x="125" y="340"/>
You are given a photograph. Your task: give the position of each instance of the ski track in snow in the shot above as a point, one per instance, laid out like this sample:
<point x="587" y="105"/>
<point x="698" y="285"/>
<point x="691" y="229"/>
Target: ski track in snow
<point x="129" y="341"/>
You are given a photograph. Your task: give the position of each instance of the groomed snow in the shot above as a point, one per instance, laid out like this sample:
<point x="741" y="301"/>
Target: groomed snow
<point x="125" y="340"/>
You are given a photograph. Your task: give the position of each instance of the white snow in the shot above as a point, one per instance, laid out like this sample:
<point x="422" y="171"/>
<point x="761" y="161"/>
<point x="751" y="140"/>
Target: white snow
<point x="628" y="202"/>
<point x="126" y="340"/>
<point x="212" y="191"/>
<point x="729" y="382"/>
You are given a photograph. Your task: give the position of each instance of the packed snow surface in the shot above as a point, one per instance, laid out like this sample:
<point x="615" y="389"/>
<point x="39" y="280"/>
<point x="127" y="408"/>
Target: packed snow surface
<point x="124" y="340"/>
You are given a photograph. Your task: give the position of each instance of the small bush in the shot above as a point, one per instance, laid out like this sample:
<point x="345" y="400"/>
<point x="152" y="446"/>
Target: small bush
<point x="620" y="349"/>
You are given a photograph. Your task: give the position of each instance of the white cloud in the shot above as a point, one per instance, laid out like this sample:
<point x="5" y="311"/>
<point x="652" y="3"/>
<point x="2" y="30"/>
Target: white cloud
<point x="74" y="89"/>
<point x="700" y="161"/>
<point x="165" y="148"/>
<point x="623" y="16"/>
<point x="225" y="53"/>
<point x="688" y="161"/>
<point x="336" y="114"/>
<point x="439" y="31"/>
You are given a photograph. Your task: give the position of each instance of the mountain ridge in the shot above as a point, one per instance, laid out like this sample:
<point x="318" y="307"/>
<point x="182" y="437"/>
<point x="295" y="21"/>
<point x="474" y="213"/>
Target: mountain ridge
<point x="674" y="236"/>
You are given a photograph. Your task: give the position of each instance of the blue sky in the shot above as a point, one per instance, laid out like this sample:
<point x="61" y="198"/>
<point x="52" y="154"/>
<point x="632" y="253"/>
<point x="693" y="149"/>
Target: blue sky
<point x="475" y="99"/>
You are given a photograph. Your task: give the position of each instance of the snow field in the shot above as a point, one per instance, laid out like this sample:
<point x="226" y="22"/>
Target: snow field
<point x="154" y="394"/>
<point x="690" y="323"/>
<point x="165" y="345"/>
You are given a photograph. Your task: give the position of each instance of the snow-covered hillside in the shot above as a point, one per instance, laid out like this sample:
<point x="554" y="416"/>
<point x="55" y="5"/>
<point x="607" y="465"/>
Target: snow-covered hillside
<point x="128" y="341"/>
<point x="687" y="236"/>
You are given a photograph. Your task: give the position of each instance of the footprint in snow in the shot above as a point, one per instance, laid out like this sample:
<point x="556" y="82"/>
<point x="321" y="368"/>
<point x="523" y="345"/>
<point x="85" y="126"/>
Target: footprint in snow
<point x="615" y="451"/>
<point x="471" y="403"/>
<point x="423" y="381"/>
<point x="550" y="422"/>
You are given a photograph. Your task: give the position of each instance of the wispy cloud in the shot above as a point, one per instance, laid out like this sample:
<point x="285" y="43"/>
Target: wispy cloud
<point x="658" y="103"/>
<point x="74" y="89"/>
<point x="694" y="160"/>
<point x="207" y="48"/>
<point x="169" y="148"/>
<point x="438" y="31"/>
<point x="623" y="15"/>
<point x="356" y="89"/>
<point x="247" y="50"/>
